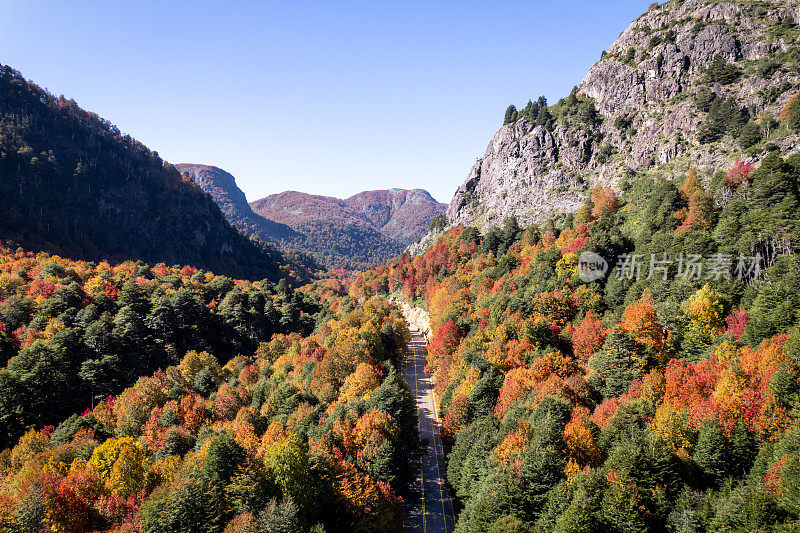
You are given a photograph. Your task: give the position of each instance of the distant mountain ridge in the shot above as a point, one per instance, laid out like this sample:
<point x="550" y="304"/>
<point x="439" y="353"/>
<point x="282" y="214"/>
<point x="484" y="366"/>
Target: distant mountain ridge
<point x="403" y="215"/>
<point x="363" y="230"/>
<point x="399" y="214"/>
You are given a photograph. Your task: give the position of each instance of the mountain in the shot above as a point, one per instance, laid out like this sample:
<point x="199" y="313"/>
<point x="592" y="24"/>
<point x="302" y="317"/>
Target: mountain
<point x="399" y="214"/>
<point x="632" y="365"/>
<point x="403" y="215"/>
<point x="231" y="200"/>
<point x="689" y="83"/>
<point x="71" y="183"/>
<point x="365" y="229"/>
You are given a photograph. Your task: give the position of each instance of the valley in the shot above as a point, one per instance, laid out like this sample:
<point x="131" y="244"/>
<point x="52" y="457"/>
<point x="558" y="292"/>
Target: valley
<point x="599" y="332"/>
<point x="362" y="231"/>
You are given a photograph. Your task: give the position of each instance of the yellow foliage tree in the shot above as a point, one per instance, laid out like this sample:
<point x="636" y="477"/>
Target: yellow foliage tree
<point x="673" y="428"/>
<point x="359" y="383"/>
<point x="121" y="464"/>
<point x="704" y="310"/>
<point x="29" y="446"/>
<point x="568" y="265"/>
<point x="288" y="462"/>
<point x="193" y="362"/>
<point x="9" y="283"/>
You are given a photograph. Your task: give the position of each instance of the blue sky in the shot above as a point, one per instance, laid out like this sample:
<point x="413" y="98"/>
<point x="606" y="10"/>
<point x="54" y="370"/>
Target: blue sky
<point x="323" y="97"/>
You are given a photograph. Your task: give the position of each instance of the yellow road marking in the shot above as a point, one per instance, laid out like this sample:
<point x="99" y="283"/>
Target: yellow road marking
<point x="419" y="428"/>
<point x="434" y="430"/>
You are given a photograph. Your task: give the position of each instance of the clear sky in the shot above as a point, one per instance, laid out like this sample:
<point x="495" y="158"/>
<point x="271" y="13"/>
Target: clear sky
<point x="329" y="97"/>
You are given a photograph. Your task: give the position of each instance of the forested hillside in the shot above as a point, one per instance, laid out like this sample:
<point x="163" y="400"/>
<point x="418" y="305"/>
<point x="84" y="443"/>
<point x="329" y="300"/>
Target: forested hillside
<point x="660" y="395"/>
<point x="613" y="300"/>
<point x="72" y="183"/>
<point x="154" y="398"/>
<point x="359" y="232"/>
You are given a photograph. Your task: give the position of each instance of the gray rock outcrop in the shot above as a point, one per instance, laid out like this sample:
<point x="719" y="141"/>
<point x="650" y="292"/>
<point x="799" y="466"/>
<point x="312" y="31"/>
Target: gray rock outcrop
<point x="644" y="90"/>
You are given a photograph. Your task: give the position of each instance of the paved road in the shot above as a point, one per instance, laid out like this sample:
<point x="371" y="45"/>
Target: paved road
<point x="431" y="509"/>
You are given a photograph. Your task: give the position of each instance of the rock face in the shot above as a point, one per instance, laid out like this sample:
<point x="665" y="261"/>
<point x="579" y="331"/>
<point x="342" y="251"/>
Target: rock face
<point x="231" y="200"/>
<point x="518" y="176"/>
<point x="644" y="91"/>
<point x="400" y="214"/>
<point x="416" y="317"/>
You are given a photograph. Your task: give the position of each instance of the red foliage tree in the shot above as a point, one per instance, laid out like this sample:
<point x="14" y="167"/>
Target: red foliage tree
<point x="736" y="322"/>
<point x="588" y="337"/>
<point x="739" y="173"/>
<point x="640" y="321"/>
<point x="517" y="384"/>
<point x="446" y="340"/>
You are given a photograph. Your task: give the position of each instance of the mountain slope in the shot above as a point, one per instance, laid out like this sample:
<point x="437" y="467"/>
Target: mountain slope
<point x="72" y="183"/>
<point x="403" y="215"/>
<point x="294" y="208"/>
<point x="80" y="403"/>
<point x="399" y="214"/>
<point x="333" y="231"/>
<point x="231" y="200"/>
<point x="687" y="84"/>
<point x="364" y="229"/>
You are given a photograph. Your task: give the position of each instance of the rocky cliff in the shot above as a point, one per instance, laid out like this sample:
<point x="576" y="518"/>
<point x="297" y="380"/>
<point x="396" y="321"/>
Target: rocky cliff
<point x="678" y="88"/>
<point x="231" y="200"/>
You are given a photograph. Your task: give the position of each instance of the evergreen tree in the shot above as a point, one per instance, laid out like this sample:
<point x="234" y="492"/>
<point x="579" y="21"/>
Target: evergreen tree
<point x="722" y="72"/>
<point x="710" y="452"/>
<point x="467" y="463"/>
<point x="543" y="461"/>
<point x="724" y="116"/>
<point x="750" y="135"/>
<point x="616" y="365"/>
<point x="492" y="241"/>
<point x="545" y="118"/>
<point x="510" y="234"/>
<point x="280" y="517"/>
<point x="224" y="457"/>
<point x="511" y="115"/>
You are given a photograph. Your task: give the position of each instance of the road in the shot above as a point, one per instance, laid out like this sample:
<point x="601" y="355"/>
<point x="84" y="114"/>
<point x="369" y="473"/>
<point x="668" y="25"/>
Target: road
<point x="431" y="508"/>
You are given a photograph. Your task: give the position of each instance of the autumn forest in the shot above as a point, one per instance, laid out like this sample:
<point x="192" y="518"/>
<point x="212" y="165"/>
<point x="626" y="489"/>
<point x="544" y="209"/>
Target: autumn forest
<point x="599" y="333"/>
